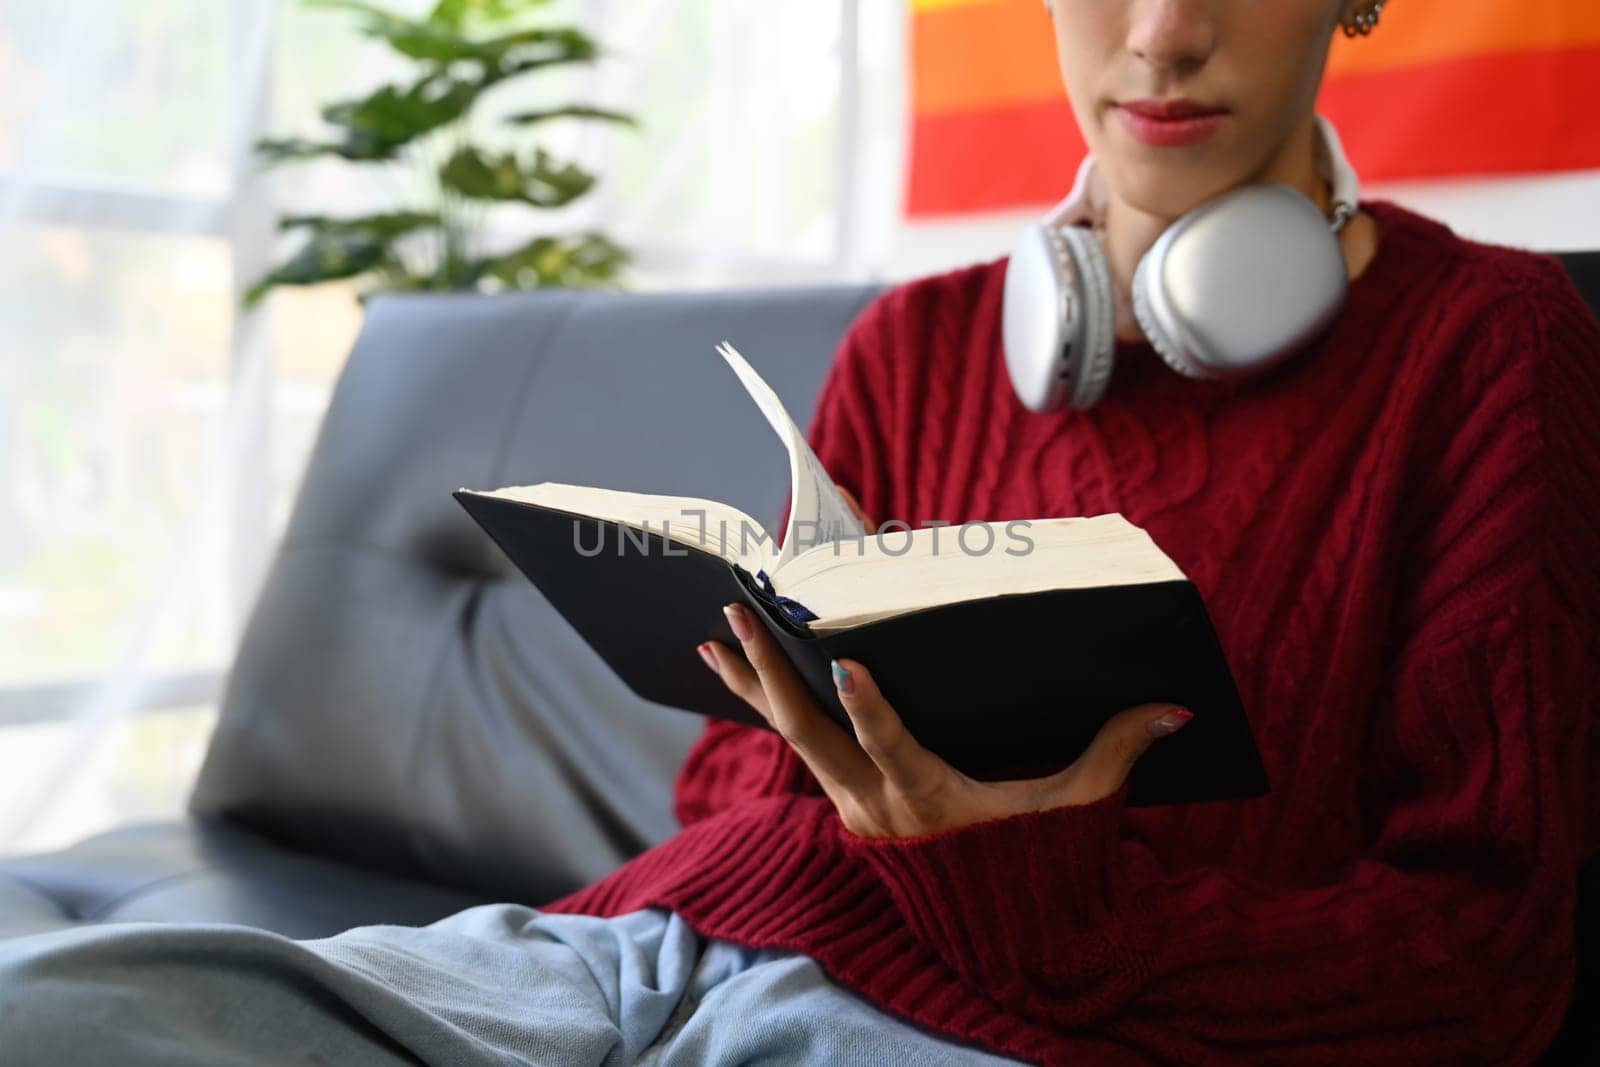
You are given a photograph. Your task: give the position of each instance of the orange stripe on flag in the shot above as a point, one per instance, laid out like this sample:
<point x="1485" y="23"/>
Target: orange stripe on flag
<point x="970" y="55"/>
<point x="1417" y="32"/>
<point x="979" y="53"/>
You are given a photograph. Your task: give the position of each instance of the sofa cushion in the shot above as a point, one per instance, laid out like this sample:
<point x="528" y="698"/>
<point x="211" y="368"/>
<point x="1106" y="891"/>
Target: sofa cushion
<point x="199" y="871"/>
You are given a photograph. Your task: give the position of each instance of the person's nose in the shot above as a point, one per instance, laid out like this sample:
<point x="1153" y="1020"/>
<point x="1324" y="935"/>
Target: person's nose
<point x="1175" y="35"/>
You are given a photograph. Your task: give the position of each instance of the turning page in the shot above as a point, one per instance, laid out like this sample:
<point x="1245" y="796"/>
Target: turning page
<point x="818" y="512"/>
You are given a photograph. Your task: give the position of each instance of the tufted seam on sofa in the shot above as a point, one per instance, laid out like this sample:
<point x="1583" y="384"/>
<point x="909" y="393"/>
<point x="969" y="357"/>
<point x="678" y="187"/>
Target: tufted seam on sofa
<point x="42" y="893"/>
<point x="100" y="913"/>
<point x="423" y="736"/>
<point x="508" y="434"/>
<point x="323" y="542"/>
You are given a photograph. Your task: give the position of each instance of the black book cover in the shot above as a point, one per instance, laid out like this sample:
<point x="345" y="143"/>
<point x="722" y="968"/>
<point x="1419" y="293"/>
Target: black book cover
<point x="1009" y="686"/>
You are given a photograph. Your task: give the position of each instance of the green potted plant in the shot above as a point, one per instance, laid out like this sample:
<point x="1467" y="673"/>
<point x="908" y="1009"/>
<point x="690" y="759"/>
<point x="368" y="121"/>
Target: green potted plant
<point x="460" y="51"/>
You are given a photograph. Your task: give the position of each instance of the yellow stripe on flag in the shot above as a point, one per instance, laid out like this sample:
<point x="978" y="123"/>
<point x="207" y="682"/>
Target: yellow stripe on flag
<point x="920" y="6"/>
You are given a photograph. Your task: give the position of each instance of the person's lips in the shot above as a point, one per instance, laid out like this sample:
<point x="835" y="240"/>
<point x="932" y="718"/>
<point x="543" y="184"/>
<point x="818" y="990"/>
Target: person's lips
<point x="1170" y="123"/>
<point x="1171" y="109"/>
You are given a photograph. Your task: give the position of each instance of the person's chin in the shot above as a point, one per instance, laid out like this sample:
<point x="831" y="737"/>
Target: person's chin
<point x="1167" y="185"/>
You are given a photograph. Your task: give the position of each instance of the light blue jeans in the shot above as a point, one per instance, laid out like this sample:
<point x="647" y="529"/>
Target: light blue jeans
<point x="496" y="984"/>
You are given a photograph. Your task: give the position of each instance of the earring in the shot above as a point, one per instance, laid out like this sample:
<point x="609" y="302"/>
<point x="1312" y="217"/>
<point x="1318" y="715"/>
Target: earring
<point x="1364" y="21"/>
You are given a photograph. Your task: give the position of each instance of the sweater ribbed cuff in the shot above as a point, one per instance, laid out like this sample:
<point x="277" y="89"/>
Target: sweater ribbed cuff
<point x="1026" y="896"/>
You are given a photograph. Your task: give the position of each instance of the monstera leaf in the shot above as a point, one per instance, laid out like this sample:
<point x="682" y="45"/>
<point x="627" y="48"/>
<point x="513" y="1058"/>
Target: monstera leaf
<point x="463" y="14"/>
<point x="341" y="248"/>
<point x="587" y="259"/>
<point x="324" y="258"/>
<point x="444" y="38"/>
<point x="571" y="111"/>
<point x="383" y="226"/>
<point x="460" y="50"/>
<point x="538" y="181"/>
<point x="377" y="126"/>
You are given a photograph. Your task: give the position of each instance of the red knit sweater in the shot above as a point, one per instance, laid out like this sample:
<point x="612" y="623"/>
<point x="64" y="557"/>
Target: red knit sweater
<point x="1397" y="536"/>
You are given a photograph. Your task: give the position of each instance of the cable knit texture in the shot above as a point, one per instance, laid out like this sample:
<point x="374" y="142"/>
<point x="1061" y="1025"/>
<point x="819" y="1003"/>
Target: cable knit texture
<point x="1396" y="533"/>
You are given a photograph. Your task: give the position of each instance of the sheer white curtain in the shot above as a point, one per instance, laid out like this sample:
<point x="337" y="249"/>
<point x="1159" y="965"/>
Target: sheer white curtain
<point x="773" y="141"/>
<point x="130" y="391"/>
<point x="152" y="433"/>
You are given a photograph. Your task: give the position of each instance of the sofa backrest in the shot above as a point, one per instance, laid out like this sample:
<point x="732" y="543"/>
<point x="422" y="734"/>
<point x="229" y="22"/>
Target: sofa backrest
<point x="403" y="697"/>
<point x="1584" y="267"/>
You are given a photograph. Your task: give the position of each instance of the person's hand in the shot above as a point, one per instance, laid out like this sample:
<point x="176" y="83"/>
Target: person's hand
<point x="855" y="506"/>
<point x="883" y="783"/>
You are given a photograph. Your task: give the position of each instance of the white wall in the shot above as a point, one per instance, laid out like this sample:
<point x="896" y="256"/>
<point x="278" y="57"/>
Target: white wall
<point x="1552" y="213"/>
<point x="1548" y="213"/>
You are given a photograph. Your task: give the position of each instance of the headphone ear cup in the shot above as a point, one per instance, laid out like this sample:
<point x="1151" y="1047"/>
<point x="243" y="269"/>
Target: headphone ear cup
<point x="1038" y="319"/>
<point x="1240" y="283"/>
<point x="1059" y="318"/>
<point x="1088" y="370"/>
<point x="1166" y="347"/>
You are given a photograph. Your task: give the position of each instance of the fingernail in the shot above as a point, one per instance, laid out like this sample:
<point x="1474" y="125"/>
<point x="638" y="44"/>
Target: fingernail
<point x="709" y="656"/>
<point x="739" y="621"/>
<point x="841" y="677"/>
<point x="1170" y="722"/>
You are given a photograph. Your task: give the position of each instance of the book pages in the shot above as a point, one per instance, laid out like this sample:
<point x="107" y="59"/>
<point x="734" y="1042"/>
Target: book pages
<point x="848" y="585"/>
<point x="818" y="512"/>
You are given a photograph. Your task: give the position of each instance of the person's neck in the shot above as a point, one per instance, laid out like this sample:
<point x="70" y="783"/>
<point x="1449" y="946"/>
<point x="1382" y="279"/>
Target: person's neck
<point x="1129" y="232"/>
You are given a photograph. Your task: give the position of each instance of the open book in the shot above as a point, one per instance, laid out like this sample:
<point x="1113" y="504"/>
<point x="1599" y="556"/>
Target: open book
<point x="1003" y="645"/>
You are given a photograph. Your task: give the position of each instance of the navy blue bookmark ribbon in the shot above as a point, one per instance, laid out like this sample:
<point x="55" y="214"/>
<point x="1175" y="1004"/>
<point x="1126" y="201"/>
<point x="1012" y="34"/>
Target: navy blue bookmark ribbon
<point x="792" y="609"/>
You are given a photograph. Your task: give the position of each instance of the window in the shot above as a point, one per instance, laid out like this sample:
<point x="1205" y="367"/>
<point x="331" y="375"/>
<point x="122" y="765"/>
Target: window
<point x="119" y="372"/>
<point x="152" y="434"/>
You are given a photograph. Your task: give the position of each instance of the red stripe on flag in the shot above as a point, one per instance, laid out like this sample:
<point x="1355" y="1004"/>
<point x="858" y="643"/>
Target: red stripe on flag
<point x="993" y="158"/>
<point x="1486" y="115"/>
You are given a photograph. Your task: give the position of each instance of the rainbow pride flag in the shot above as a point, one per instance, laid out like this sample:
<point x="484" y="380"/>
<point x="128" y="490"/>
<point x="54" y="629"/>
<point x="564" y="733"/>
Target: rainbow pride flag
<point x="1441" y="88"/>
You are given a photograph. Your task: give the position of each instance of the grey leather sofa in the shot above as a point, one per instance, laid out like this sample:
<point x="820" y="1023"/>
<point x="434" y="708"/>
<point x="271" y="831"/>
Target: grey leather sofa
<point x="409" y="728"/>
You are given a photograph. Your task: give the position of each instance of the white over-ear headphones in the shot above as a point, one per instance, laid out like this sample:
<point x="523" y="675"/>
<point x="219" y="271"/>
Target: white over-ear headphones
<point x="1233" y="287"/>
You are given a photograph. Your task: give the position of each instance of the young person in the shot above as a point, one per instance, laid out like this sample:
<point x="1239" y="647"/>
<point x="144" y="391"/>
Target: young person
<point x="1395" y="533"/>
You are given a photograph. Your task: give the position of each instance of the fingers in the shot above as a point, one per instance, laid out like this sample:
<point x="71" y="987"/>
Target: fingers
<point x="855" y="506"/>
<point x="882" y="735"/>
<point x="737" y="676"/>
<point x="1106" y="763"/>
<point x="776" y="691"/>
